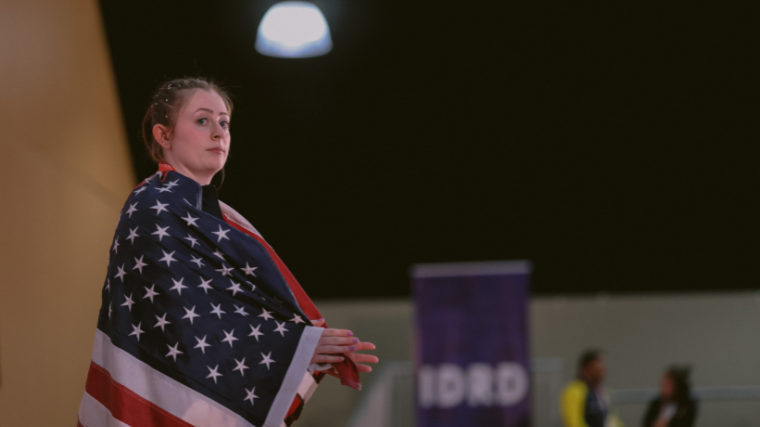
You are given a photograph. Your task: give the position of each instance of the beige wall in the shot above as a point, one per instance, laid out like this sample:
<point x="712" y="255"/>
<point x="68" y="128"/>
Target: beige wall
<point x="65" y="171"/>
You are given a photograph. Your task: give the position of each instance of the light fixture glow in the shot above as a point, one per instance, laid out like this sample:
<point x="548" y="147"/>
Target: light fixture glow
<point x="293" y="29"/>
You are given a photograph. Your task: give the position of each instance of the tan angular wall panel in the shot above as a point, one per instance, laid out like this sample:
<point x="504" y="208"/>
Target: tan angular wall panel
<point x="65" y="169"/>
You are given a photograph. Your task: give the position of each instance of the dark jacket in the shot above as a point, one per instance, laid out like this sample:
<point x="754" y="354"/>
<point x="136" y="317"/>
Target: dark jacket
<point x="685" y="415"/>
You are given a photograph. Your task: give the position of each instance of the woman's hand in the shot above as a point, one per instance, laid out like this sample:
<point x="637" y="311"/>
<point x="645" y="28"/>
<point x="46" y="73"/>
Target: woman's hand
<point x="360" y="358"/>
<point x="332" y="344"/>
<point x="335" y="342"/>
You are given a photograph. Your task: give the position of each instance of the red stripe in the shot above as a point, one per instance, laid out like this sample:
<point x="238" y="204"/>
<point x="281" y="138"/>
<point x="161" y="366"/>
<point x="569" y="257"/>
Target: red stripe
<point x="297" y="403"/>
<point x="79" y="423"/>
<point x="303" y="299"/>
<point x="124" y="404"/>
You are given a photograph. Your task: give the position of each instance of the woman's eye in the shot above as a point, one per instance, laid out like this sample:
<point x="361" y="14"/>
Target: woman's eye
<point x="225" y="124"/>
<point x="202" y="121"/>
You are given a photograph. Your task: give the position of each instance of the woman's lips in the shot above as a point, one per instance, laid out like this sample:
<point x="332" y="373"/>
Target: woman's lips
<point x="216" y="150"/>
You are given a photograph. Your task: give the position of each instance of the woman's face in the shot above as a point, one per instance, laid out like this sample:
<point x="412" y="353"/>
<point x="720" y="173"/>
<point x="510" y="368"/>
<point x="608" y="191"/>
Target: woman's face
<point x="667" y="388"/>
<point x="198" y="145"/>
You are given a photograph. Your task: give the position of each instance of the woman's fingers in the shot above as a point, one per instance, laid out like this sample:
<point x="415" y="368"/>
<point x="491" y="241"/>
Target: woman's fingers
<point x="334" y="342"/>
<point x="332" y="332"/>
<point x="326" y="358"/>
<point x="318" y="323"/>
<point x="364" y="346"/>
<point x="363" y="358"/>
<point x="335" y="349"/>
<point x="363" y="368"/>
<point x="338" y="341"/>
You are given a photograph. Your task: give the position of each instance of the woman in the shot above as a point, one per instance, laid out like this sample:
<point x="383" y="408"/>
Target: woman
<point x="674" y="407"/>
<point x="201" y="322"/>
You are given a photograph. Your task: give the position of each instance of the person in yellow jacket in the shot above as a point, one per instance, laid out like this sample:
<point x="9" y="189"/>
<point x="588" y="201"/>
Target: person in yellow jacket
<point x="585" y="402"/>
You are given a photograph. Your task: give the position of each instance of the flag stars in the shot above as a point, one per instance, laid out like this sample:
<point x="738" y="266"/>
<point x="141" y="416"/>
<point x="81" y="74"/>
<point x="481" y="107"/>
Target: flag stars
<point x="108" y="285"/>
<point x="172" y="184"/>
<point x="267" y="359"/>
<point x="128" y="303"/>
<point x="133" y="235"/>
<point x="116" y="245"/>
<point x="218" y="310"/>
<point x="190" y="220"/>
<point x="219" y="254"/>
<point x="139" y="190"/>
<point x="121" y="273"/>
<point x="214" y="373"/>
<point x="229" y="337"/>
<point x="235" y="288"/>
<point x="136" y="331"/>
<point x="225" y="270"/>
<point x="150" y="293"/>
<point x="202" y="344"/>
<point x="164" y="189"/>
<point x="139" y="264"/>
<point x="193" y="241"/>
<point x="250" y="396"/>
<point x="248" y="270"/>
<point x="280" y="328"/>
<point x="266" y="314"/>
<point x="160" y="232"/>
<point x="240" y="310"/>
<point x="160" y="207"/>
<point x="221" y="234"/>
<point x="178" y="286"/>
<point x="255" y="332"/>
<point x="240" y="367"/>
<point x="190" y="314"/>
<point x="162" y="322"/>
<point x="205" y="285"/>
<point x="110" y="311"/>
<point x="168" y="258"/>
<point x="173" y="351"/>
<point x="132" y="209"/>
<point x="297" y="319"/>
<point x="198" y="261"/>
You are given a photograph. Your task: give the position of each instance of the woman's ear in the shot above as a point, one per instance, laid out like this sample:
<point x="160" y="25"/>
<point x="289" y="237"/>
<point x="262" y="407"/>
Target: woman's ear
<point x="161" y="135"/>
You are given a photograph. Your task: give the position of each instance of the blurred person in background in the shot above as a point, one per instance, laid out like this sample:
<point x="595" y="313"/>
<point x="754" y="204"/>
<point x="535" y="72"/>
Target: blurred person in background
<point x="674" y="407"/>
<point x="585" y="402"/>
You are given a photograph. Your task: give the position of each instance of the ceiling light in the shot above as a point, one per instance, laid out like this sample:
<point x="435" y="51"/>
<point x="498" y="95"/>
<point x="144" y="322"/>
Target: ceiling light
<point x="293" y="29"/>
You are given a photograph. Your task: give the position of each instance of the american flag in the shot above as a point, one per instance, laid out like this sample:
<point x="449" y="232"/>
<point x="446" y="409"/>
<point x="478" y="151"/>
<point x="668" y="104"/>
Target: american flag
<point x="201" y="323"/>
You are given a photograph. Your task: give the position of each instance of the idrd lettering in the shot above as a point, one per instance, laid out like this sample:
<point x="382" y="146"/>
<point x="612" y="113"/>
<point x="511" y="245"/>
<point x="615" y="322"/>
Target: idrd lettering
<point x="448" y="385"/>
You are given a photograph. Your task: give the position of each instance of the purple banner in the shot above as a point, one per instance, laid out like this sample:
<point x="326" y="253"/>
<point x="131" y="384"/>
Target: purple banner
<point x="471" y="357"/>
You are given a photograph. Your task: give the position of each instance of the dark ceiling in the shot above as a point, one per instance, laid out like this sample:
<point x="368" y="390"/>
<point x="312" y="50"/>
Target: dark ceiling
<point x="616" y="147"/>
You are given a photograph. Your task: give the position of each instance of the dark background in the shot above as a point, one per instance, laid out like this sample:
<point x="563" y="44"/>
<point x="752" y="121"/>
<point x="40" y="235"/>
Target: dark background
<point x="613" y="146"/>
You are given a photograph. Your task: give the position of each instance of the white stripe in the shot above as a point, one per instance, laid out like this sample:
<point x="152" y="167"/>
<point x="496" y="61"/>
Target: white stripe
<point x="93" y="414"/>
<point x="458" y="269"/>
<point x="307" y="387"/>
<point x="294" y="376"/>
<point x="172" y="396"/>
<point x="237" y="218"/>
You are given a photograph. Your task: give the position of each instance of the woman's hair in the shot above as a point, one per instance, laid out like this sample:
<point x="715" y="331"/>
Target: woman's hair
<point x="681" y="383"/>
<point x="167" y="102"/>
